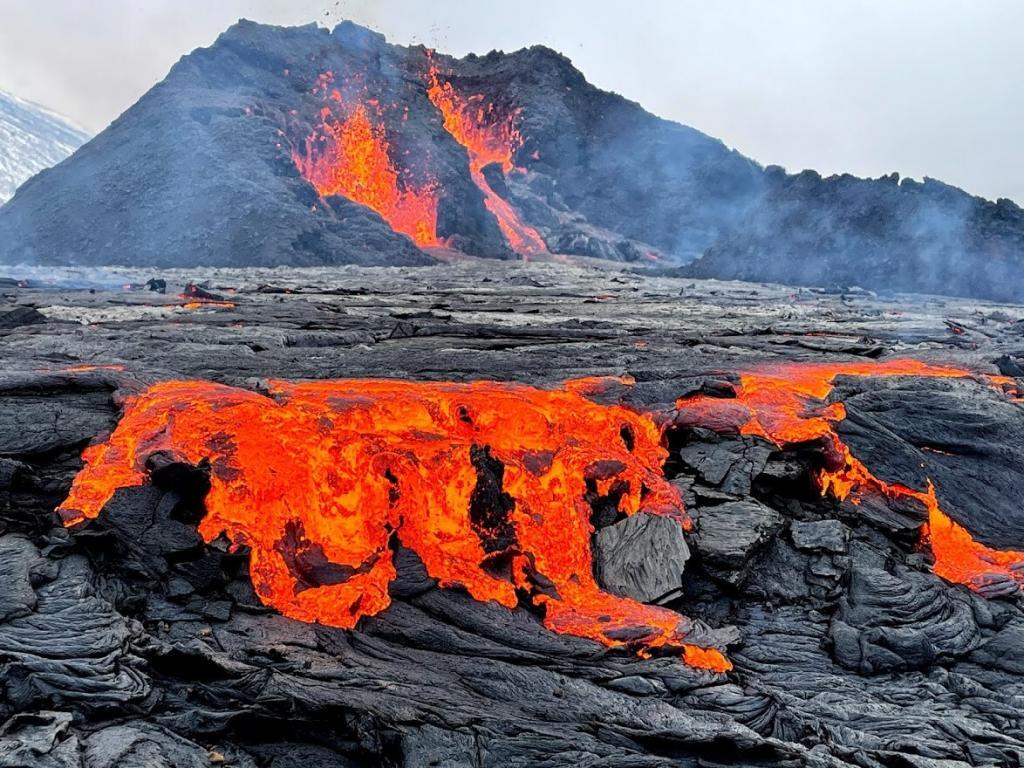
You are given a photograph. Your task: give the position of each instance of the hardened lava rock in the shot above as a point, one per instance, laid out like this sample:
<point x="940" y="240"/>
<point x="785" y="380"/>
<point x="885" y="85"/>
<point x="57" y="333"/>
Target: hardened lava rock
<point x="129" y="640"/>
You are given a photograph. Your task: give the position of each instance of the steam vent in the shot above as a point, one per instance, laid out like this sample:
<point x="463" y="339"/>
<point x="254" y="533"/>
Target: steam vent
<point x="365" y="406"/>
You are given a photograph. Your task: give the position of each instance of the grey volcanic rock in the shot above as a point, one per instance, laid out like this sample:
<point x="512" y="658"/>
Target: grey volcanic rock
<point x="820" y="535"/>
<point x="890" y="621"/>
<point x="909" y="431"/>
<point x="18" y="316"/>
<point x="17" y="558"/>
<point x="729" y="535"/>
<point x="200" y="172"/>
<point x="1004" y="650"/>
<point x="642" y="557"/>
<point x="731" y="465"/>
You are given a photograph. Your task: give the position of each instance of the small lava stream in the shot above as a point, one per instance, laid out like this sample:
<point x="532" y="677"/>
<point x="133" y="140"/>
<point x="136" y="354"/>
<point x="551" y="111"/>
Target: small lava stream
<point x="489" y="138"/>
<point x="349" y="154"/>
<point x="785" y="404"/>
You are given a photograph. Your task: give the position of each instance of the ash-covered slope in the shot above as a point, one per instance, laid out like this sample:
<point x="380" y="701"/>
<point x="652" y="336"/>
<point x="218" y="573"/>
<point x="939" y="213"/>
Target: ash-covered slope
<point x="308" y="146"/>
<point x="234" y="158"/>
<point x="31" y="138"/>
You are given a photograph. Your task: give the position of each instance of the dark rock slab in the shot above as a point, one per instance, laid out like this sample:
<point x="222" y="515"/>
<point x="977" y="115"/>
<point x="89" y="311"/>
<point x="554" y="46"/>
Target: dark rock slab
<point x="70" y="648"/>
<point x="1002" y="651"/>
<point x="819" y="535"/>
<point x="731" y="465"/>
<point x="642" y="556"/>
<point x="19" y="559"/>
<point x="19" y="316"/>
<point x="728" y="535"/>
<point x="43" y="415"/>
<point x="44" y="739"/>
<point x="146" y="744"/>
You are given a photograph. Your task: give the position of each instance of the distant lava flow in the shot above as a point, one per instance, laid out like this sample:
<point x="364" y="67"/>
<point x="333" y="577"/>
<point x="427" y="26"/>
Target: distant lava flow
<point x="349" y="154"/>
<point x="489" y="137"/>
<point x="194" y="297"/>
<point x="785" y="404"/>
<point x="486" y="482"/>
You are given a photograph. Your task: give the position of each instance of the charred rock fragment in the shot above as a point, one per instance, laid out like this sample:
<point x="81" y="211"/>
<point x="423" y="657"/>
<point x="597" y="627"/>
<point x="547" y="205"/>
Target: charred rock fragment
<point x="308" y="564"/>
<point x="490" y="507"/>
<point x="642" y="557"/>
<point x="819" y="536"/>
<point x="729" y="465"/>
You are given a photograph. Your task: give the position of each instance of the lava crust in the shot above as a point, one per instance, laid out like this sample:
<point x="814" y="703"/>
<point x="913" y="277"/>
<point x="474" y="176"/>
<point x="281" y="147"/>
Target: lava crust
<point x="259" y="575"/>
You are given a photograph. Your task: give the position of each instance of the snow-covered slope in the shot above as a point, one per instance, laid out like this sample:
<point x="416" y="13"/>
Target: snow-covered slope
<point x="31" y="138"/>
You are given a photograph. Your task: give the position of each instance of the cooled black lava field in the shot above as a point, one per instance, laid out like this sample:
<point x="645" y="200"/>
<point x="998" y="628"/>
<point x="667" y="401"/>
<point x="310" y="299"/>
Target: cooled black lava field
<point x="129" y="639"/>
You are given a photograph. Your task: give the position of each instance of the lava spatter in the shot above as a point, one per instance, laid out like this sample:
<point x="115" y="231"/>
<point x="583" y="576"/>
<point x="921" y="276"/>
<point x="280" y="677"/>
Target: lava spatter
<point x="348" y="153"/>
<point x="317" y="477"/>
<point x="785" y="404"/>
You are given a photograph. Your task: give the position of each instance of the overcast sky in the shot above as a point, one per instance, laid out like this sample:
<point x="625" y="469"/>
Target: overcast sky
<point x="923" y="87"/>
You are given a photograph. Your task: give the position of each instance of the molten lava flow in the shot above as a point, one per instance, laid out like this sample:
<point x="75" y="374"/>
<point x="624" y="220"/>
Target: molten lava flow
<point x="208" y="305"/>
<point x="961" y="559"/>
<point x="85" y="368"/>
<point x="785" y="404"/>
<point x="351" y="156"/>
<point x="319" y="479"/>
<point x="706" y="658"/>
<point x="488" y="137"/>
<point x="195" y="297"/>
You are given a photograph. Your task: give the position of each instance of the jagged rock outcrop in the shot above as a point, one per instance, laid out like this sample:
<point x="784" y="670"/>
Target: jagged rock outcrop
<point x="883" y="234"/>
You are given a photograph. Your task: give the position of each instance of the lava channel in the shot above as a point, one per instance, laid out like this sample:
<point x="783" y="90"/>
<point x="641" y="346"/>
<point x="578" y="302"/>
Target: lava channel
<point x="489" y="137"/>
<point x="319" y="478"/>
<point x="785" y="404"/>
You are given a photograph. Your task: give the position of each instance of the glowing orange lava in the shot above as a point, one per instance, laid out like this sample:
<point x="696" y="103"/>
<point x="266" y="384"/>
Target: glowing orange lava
<point x="86" y="368"/>
<point x="320" y="479"/>
<point x="351" y="156"/>
<point x="785" y="404"/>
<point x="489" y="137"/>
<point x="961" y="559"/>
<point x="208" y="305"/>
<point x="196" y="297"/>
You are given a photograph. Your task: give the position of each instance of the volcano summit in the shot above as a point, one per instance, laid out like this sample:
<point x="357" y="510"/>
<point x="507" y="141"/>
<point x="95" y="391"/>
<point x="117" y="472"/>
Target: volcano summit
<point x="304" y="146"/>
